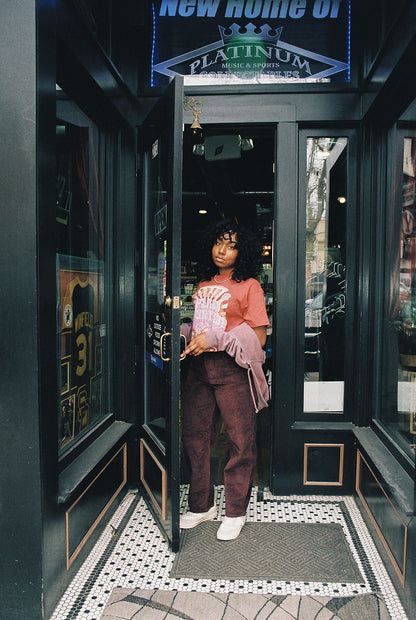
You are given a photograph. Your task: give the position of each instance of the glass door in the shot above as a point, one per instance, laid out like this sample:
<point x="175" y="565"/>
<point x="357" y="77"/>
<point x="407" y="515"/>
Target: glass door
<point x="161" y="150"/>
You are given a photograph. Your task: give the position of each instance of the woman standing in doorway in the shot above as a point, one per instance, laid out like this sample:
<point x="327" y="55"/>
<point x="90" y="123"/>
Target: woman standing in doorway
<point x="225" y="375"/>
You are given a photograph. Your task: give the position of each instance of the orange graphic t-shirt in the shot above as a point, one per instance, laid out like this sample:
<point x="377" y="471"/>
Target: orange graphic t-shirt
<point x="227" y="305"/>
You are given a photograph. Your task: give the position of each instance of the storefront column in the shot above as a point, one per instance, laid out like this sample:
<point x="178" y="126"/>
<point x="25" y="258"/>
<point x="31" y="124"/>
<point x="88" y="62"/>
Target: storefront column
<point x="21" y="468"/>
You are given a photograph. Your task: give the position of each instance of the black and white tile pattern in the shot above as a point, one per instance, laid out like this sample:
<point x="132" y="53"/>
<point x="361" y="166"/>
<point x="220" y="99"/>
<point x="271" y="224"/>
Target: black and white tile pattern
<point x="132" y="553"/>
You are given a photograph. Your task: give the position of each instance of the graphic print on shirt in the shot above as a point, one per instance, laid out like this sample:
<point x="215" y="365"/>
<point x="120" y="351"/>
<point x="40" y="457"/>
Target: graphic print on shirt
<point x="210" y="303"/>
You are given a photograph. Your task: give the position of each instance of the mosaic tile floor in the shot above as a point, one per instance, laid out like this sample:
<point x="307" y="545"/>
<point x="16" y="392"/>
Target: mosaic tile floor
<point x="132" y="553"/>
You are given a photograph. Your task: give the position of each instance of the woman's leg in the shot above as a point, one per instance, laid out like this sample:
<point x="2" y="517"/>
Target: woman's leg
<point x="233" y="396"/>
<point x="198" y="419"/>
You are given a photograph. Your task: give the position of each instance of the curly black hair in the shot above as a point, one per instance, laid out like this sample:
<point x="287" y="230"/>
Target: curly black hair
<point x="248" y="263"/>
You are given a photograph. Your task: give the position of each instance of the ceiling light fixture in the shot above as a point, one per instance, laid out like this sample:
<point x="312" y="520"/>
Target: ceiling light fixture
<point x="246" y="144"/>
<point x="198" y="149"/>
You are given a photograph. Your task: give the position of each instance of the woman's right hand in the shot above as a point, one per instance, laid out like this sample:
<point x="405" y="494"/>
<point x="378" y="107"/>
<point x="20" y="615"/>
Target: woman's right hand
<point x="197" y="345"/>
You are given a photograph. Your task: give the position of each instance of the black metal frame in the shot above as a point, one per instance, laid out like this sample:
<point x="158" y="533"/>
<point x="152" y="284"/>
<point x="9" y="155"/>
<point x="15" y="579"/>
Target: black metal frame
<point x="167" y="114"/>
<point x="291" y="425"/>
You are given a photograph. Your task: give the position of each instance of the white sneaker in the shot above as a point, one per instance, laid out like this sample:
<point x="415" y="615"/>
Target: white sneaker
<point x="192" y="519"/>
<point x="230" y="528"/>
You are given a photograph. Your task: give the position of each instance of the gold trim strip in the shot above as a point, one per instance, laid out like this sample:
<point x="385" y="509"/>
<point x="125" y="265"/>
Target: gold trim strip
<point x="70" y="559"/>
<point x="162" y="510"/>
<point x="307" y="482"/>
<point x="400" y="573"/>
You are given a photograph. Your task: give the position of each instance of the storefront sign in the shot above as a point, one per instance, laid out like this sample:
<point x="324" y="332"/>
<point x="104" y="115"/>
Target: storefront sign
<point x="251" y="41"/>
<point x="155" y="327"/>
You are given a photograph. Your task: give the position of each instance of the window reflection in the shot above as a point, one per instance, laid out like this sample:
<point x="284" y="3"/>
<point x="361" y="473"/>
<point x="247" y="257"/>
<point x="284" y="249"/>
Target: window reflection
<point x="325" y="276"/>
<point x="155" y="239"/>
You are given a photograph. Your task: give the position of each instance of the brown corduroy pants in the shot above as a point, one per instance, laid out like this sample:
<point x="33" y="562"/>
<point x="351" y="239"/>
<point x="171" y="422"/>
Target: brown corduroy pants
<point x="215" y="386"/>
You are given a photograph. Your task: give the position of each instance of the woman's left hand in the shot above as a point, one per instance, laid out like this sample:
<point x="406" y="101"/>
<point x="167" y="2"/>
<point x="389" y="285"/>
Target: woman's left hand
<point x="197" y="345"/>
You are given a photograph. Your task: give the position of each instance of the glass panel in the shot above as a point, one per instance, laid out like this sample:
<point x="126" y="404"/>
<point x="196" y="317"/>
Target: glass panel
<point x="398" y="397"/>
<point x="157" y="393"/>
<point x="82" y="310"/>
<point x="326" y="205"/>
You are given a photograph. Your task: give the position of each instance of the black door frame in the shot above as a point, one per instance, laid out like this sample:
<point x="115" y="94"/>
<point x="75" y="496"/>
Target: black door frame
<point x="287" y="115"/>
<point x="294" y="429"/>
<point x="166" y="116"/>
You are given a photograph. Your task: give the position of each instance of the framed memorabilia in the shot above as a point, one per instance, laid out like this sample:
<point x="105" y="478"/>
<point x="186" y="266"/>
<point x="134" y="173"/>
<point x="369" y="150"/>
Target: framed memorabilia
<point x="81" y="330"/>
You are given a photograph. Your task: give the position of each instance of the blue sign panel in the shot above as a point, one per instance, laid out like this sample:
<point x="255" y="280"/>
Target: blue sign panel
<point x="251" y="41"/>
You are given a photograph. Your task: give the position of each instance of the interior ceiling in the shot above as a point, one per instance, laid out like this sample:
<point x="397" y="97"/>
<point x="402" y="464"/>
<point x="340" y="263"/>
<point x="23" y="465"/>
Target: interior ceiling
<point x="229" y="183"/>
<point x="241" y="188"/>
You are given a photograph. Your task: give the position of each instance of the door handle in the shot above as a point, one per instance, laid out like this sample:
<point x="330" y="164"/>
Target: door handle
<point x="167" y="359"/>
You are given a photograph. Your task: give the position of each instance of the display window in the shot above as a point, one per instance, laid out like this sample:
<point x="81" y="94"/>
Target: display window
<point x="82" y="318"/>
<point x="397" y="407"/>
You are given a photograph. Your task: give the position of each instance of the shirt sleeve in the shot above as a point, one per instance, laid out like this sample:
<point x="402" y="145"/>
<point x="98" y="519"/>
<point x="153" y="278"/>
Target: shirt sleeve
<point x="254" y="313"/>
